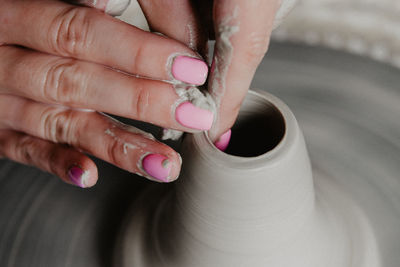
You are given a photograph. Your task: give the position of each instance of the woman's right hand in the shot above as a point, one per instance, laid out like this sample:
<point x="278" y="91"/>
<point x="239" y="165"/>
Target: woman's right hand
<point x="60" y="63"/>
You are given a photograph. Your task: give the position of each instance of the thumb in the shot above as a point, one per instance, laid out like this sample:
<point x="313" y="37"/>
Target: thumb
<point x="243" y="30"/>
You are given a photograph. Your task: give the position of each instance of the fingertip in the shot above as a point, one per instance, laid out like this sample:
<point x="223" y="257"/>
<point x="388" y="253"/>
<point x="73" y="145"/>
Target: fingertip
<point x="89" y="178"/>
<point x="82" y="173"/>
<point x="223" y="141"/>
<point x="176" y="162"/>
<point x="91" y="172"/>
<point x="163" y="168"/>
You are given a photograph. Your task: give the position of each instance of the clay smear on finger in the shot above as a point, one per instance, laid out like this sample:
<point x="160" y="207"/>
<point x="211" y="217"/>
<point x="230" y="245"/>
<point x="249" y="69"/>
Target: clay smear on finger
<point x="161" y="174"/>
<point x="200" y="98"/>
<point x="130" y="146"/>
<point x="126" y="145"/>
<point x="186" y="92"/>
<point x="128" y="128"/>
<point x="79" y="176"/>
<point x="223" y="53"/>
<point x="192" y="36"/>
<point x="117" y="125"/>
<point x="156" y="167"/>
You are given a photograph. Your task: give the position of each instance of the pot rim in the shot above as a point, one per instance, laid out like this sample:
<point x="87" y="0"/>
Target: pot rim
<point x="209" y="152"/>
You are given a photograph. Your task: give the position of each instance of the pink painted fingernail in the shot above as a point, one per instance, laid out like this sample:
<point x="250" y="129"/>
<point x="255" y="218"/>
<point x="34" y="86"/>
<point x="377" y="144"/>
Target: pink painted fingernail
<point x="78" y="176"/>
<point x="157" y="166"/>
<point x="189" y="70"/>
<point x="194" y="117"/>
<point x="223" y="142"/>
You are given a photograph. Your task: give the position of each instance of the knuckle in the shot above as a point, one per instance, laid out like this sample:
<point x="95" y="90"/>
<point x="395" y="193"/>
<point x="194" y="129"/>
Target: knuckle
<point x="24" y="149"/>
<point x="51" y="160"/>
<point x="30" y="151"/>
<point x="140" y="103"/>
<point x="137" y="60"/>
<point x="64" y="81"/>
<point x="59" y="125"/>
<point x="5" y="144"/>
<point x="70" y="31"/>
<point x="113" y="151"/>
<point x="257" y="48"/>
<point x="236" y="107"/>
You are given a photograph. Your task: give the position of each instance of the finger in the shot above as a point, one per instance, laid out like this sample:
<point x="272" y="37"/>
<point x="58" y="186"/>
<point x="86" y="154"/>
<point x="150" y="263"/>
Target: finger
<point x="243" y="31"/>
<point x="111" y="7"/>
<point x="51" y="79"/>
<point x="186" y="27"/>
<point x="84" y="33"/>
<point x="70" y="165"/>
<point x="94" y="133"/>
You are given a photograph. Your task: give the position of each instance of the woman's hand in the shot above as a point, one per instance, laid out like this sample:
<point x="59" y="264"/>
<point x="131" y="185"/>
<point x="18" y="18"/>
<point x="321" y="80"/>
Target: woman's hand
<point x="242" y="31"/>
<point x="59" y="61"/>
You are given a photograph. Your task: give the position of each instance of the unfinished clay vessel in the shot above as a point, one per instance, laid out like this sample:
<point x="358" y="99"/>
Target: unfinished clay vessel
<point x="255" y="205"/>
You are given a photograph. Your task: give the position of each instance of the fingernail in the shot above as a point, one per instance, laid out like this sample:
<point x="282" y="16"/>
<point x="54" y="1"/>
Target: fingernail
<point x="157" y="166"/>
<point x="189" y="70"/>
<point x="194" y="117"/>
<point x="116" y="7"/>
<point x="223" y="142"/>
<point x="78" y="176"/>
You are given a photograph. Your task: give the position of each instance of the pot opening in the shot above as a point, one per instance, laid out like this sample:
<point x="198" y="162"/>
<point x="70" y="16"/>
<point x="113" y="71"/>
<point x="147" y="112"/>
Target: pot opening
<point x="260" y="127"/>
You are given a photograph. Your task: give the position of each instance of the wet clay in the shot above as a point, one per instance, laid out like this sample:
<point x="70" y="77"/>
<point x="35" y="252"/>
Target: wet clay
<point x="223" y="52"/>
<point x="257" y="206"/>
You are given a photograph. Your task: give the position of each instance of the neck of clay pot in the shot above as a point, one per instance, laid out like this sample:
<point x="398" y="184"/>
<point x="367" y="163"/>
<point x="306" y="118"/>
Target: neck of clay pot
<point x="249" y="203"/>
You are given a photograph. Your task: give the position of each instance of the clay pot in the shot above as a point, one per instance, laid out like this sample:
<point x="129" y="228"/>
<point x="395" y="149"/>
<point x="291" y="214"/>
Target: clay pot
<point x="254" y="205"/>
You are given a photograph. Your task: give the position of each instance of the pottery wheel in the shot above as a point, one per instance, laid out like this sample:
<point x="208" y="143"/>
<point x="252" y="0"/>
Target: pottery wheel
<point x="347" y="106"/>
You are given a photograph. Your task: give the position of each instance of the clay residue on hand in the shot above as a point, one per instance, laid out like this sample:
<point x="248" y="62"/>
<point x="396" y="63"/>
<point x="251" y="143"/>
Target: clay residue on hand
<point x="125" y="144"/>
<point x="186" y="92"/>
<point x="192" y="36"/>
<point x="223" y="53"/>
<point x="84" y="178"/>
<point x="126" y="127"/>
<point x="195" y="96"/>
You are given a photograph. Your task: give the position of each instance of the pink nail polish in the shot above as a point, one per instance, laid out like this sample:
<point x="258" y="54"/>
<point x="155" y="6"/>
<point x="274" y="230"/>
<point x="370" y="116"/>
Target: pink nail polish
<point x="157" y="166"/>
<point x="189" y="70"/>
<point x="194" y="117"/>
<point x="223" y="142"/>
<point x="76" y="176"/>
